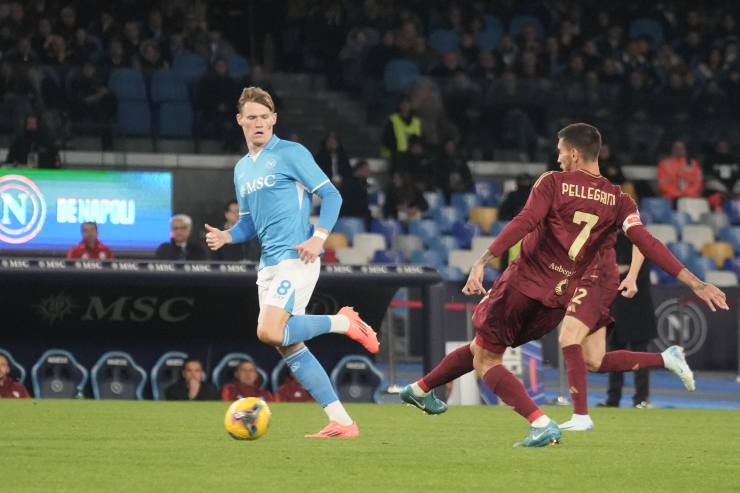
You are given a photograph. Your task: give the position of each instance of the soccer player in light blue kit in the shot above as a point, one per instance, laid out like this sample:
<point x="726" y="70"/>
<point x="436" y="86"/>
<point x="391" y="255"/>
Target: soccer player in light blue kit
<point x="274" y="183"/>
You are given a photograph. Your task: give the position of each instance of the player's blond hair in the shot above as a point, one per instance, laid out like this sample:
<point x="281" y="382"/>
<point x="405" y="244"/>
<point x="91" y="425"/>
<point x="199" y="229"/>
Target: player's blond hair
<point x="253" y="94"/>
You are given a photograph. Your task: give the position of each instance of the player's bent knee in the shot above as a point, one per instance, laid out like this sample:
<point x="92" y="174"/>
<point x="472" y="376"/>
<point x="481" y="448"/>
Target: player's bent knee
<point x="593" y="361"/>
<point x="269" y="335"/>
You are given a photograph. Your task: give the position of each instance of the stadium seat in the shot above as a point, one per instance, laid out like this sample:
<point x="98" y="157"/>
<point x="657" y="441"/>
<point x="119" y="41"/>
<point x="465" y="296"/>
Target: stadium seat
<point x="353" y="256"/>
<point x="490" y="275"/>
<point x="134" y="118"/>
<point x="732" y="264"/>
<point x="451" y="273"/>
<point x="492" y="22"/>
<point x="719" y="251"/>
<point x="238" y="67"/>
<point x="400" y="75"/>
<point x="349" y="226"/>
<point x="16" y="369"/>
<point x="435" y="201"/>
<point x="519" y="22"/>
<point x="497" y="227"/>
<point x="376" y="197"/>
<point x="432" y="258"/>
<point x="721" y="278"/>
<point x="489" y="192"/>
<point x="117" y="376"/>
<point x="426" y="229"/>
<point x="731" y="235"/>
<point x="685" y="252"/>
<point x="190" y="66"/>
<point x="407" y="244"/>
<point x="488" y="39"/>
<point x="336" y="241"/>
<point x="168" y="86"/>
<point x="387" y="257"/>
<point x="715" y="220"/>
<point x="465" y="201"/>
<point x="645" y="26"/>
<point x="224" y="371"/>
<point x="127" y="84"/>
<point x="278" y="374"/>
<point x="481" y="243"/>
<point x="666" y="233"/>
<point x="465" y="232"/>
<point x="447" y="216"/>
<point x="357" y="379"/>
<point x="694" y="207"/>
<point x="166" y="371"/>
<point x="386" y="227"/>
<point x="660" y="210"/>
<point x="702" y="265"/>
<point x="58" y="375"/>
<point x="679" y="220"/>
<point x="697" y="235"/>
<point x="368" y="243"/>
<point x="484" y="216"/>
<point x="175" y="120"/>
<point x="444" y="41"/>
<point x="443" y="244"/>
<point x="462" y="259"/>
<point x="663" y="277"/>
<point x="732" y="209"/>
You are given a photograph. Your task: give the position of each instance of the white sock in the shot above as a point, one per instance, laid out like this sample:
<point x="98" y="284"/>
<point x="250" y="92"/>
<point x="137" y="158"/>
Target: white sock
<point x="541" y="422"/>
<point x="417" y="390"/>
<point x="336" y="412"/>
<point x="339" y="324"/>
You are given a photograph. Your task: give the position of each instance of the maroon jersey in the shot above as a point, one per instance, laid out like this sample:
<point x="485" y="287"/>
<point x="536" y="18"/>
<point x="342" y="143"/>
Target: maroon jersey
<point x="12" y="389"/>
<point x="237" y="390"/>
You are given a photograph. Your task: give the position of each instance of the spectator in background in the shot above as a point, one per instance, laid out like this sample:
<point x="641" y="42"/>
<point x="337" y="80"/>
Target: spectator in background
<point x="90" y="247"/>
<point x="404" y="200"/>
<point x="452" y="173"/>
<point x="678" y="175"/>
<point x="332" y="159"/>
<point x="400" y="126"/>
<point x="354" y="192"/>
<point x="249" y="250"/>
<point x="192" y="386"/>
<point x="417" y="163"/>
<point x="93" y="105"/>
<point x="611" y="168"/>
<point x="9" y="387"/>
<point x="721" y="169"/>
<point x="34" y="146"/>
<point x="180" y="247"/>
<point x="216" y="94"/>
<point x="292" y="391"/>
<point x="246" y="384"/>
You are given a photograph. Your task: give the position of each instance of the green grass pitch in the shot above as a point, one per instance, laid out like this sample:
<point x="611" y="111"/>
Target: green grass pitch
<point x="129" y="447"/>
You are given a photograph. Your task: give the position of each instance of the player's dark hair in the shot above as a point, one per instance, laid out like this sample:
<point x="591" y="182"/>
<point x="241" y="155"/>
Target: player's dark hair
<point x="584" y="137"/>
<point x="192" y="360"/>
<point x="228" y="204"/>
<point x="82" y="226"/>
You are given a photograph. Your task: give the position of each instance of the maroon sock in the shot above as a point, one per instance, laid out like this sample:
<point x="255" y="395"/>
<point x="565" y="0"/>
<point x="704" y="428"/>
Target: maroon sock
<point x="577" y="385"/>
<point x="456" y="364"/>
<point x="512" y="392"/>
<point x="629" y="361"/>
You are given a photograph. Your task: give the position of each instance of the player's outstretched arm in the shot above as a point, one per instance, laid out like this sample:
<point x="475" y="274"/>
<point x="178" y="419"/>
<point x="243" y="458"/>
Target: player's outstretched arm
<point x="474" y="284"/>
<point x="242" y="231"/>
<point x="710" y="294"/>
<point x="628" y="286"/>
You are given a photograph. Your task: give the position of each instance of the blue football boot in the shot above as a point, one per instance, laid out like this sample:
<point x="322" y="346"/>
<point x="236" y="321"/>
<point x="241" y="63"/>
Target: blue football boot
<point x="428" y="403"/>
<point x="541" y="437"/>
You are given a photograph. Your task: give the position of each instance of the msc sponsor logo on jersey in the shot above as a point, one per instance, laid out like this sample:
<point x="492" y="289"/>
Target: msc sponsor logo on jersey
<point x="22" y="209"/>
<point x="248" y="187"/>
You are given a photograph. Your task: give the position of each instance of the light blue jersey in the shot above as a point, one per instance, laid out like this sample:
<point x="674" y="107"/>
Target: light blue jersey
<point x="274" y="190"/>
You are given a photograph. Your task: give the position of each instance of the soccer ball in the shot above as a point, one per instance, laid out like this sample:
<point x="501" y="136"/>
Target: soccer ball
<point x="247" y="418"/>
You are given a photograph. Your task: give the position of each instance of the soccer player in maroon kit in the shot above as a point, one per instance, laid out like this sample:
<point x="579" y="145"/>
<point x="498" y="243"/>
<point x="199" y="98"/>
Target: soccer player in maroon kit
<point x="568" y="226"/>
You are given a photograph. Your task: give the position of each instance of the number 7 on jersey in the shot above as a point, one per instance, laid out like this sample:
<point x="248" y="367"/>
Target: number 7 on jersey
<point x="582" y="217"/>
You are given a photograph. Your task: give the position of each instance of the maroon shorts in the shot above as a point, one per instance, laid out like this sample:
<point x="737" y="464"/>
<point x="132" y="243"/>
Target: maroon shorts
<point x="507" y="318"/>
<point x="589" y="303"/>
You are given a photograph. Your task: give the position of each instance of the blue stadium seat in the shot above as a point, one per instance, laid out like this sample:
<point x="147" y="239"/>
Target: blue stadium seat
<point x="390" y="228"/>
<point x="444" y="244"/>
<point x="400" y="75"/>
<point x="134" y="118"/>
<point x="447" y="216"/>
<point x="732" y="209"/>
<point x="166" y="371"/>
<point x="387" y="257"/>
<point x="451" y="273"/>
<point x="357" y="379"/>
<point x="645" y="26"/>
<point x="432" y="258"/>
<point x="497" y="227"/>
<point x="489" y="192"/>
<point x="175" y="120"/>
<point x="664" y="277"/>
<point x="168" y="86"/>
<point x="492" y="22"/>
<point x="435" y="200"/>
<point x="465" y="232"/>
<point x="349" y="226"/>
<point x="190" y="66"/>
<point x="444" y="41"/>
<point x="702" y="265"/>
<point x="224" y="371"/>
<point x="659" y="209"/>
<point x="488" y="38"/>
<point x="127" y="84"/>
<point x="376" y="197"/>
<point x="490" y="275"/>
<point x="684" y="252"/>
<point x="731" y="235"/>
<point x="426" y="229"/>
<point x="238" y="67"/>
<point x="465" y="201"/>
<point x="58" y="375"/>
<point x="679" y="220"/>
<point x="117" y="376"/>
<point x="16" y="369"/>
<point x="519" y="22"/>
<point x="732" y="264"/>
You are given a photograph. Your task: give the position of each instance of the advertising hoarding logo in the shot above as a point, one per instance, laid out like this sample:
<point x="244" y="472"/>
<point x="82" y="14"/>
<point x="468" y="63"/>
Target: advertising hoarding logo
<point x="681" y="323"/>
<point x="22" y="209"/>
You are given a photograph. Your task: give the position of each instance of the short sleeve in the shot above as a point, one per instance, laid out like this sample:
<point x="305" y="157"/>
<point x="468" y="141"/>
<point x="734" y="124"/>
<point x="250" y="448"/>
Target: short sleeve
<point x="303" y="168"/>
<point x="628" y="215"/>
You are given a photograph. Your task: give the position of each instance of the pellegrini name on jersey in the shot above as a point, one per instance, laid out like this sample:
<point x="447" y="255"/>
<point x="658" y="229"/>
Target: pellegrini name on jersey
<point x="590" y="193"/>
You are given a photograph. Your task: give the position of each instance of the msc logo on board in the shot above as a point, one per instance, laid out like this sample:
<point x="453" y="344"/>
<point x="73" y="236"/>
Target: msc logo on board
<point x="22" y="209"/>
